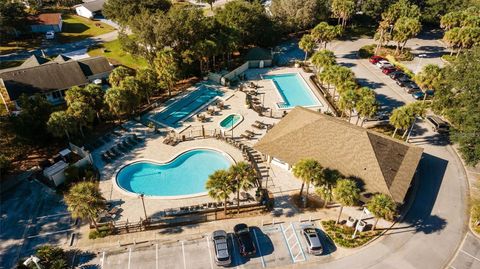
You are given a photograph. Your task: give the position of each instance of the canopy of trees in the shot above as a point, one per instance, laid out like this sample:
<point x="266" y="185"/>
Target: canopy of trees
<point x="296" y="15"/>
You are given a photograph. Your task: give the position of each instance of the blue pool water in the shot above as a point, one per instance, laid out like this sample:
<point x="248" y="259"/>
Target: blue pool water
<point x="230" y="121"/>
<point x="293" y="90"/>
<point x="185" y="106"/>
<point x="184" y="175"/>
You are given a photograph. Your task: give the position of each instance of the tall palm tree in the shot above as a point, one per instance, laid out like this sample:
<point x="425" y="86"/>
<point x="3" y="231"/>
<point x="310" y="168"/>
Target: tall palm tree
<point x="343" y="10"/>
<point x="82" y="113"/>
<point x="85" y="201"/>
<point x="121" y="101"/>
<point x="400" y="119"/>
<point x="244" y="178"/>
<point x="219" y="186"/>
<point x="366" y="105"/>
<point x="60" y="124"/>
<point x="382" y="206"/>
<point x="348" y="99"/>
<point x="166" y="68"/>
<point x="118" y="74"/>
<point x="307" y="170"/>
<point x="346" y="193"/>
<point x="327" y="75"/>
<point x="325" y="183"/>
<point x="307" y="44"/>
<point x="429" y="78"/>
<point x="323" y="58"/>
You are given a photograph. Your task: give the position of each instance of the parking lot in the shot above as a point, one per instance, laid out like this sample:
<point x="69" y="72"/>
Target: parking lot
<point x="277" y="245"/>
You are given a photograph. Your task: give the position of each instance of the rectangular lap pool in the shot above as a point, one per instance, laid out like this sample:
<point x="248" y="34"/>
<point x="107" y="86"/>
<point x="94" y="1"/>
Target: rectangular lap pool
<point x="186" y="106"/>
<point x="293" y="90"/>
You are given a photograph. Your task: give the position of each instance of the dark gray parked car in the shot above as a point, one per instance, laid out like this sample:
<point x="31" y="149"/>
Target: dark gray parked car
<point x="220" y="243"/>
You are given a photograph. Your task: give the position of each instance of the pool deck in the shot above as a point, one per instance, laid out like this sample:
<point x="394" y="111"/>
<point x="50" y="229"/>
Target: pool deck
<point x="153" y="147"/>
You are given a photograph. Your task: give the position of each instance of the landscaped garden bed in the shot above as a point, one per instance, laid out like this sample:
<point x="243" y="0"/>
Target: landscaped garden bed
<point x="369" y="50"/>
<point x="342" y="235"/>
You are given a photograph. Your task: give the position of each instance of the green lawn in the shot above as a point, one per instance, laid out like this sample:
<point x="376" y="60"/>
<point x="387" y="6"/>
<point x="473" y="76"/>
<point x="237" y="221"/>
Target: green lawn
<point x="9" y="64"/>
<point x="114" y="52"/>
<point x="76" y="28"/>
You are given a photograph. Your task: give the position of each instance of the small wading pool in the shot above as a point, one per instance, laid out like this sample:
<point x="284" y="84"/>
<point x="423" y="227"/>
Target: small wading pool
<point x="185" y="175"/>
<point x="230" y="121"/>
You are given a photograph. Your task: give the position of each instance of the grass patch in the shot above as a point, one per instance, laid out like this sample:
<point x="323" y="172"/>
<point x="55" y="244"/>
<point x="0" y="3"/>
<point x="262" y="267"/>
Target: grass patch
<point x="102" y="232"/>
<point x="387" y="129"/>
<point x="475" y="217"/>
<point x="342" y="235"/>
<point x="9" y="64"/>
<point x="76" y="28"/>
<point x="114" y="52"/>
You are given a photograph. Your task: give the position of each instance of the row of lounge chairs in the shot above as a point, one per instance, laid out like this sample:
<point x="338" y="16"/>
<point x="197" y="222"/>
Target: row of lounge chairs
<point x="248" y="135"/>
<point x="171" y="141"/>
<point x="121" y="148"/>
<point x="261" y="125"/>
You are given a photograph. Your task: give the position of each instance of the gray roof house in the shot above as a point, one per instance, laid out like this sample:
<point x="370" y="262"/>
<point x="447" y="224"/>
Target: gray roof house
<point x="38" y="75"/>
<point x="385" y="165"/>
<point x="89" y="9"/>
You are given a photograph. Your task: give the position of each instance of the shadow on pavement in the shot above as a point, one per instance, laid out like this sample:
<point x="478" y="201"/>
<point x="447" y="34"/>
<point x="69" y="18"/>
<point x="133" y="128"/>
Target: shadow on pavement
<point x="327" y="242"/>
<point x="430" y="176"/>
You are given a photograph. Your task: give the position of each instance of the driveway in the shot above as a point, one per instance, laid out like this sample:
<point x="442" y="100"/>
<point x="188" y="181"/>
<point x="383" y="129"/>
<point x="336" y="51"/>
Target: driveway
<point x="56" y="49"/>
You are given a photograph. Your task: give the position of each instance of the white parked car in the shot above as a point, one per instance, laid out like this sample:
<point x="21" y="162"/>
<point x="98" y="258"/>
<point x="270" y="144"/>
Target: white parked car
<point x="50" y="35"/>
<point x="384" y="64"/>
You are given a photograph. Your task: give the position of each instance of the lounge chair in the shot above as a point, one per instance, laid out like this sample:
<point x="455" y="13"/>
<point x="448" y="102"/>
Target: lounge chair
<point x="116" y="151"/>
<point x="167" y="140"/>
<point x="106" y="158"/>
<point x="257" y="126"/>
<point x="250" y="132"/>
<point x="246" y="136"/>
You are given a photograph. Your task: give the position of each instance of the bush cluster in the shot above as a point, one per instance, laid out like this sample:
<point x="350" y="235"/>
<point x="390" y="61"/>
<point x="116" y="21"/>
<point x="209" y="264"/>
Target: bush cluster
<point x="101" y="233"/>
<point x="342" y="235"/>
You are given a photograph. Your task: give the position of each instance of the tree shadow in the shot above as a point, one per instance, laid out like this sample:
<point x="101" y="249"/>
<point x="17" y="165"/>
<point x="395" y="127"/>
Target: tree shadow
<point x="74" y="27"/>
<point x="389" y="102"/>
<point x="352" y="55"/>
<point x="328" y="245"/>
<point x="368" y="83"/>
<point x="349" y="65"/>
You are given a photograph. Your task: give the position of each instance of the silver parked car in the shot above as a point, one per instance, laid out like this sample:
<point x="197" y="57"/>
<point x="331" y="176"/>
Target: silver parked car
<point x="313" y="241"/>
<point x="220" y="243"/>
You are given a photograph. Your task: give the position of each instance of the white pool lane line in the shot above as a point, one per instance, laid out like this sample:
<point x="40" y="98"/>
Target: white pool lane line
<point x="156" y="256"/>
<point x="183" y="251"/>
<point x="259" y="249"/>
<point x="209" y="251"/>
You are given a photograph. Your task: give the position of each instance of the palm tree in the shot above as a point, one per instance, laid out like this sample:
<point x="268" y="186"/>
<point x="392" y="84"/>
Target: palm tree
<point x="219" y="186"/>
<point x="148" y="82"/>
<point x="323" y="58"/>
<point x="327" y="75"/>
<point x="244" y="178"/>
<point x="308" y="170"/>
<point x="346" y="193"/>
<point x="84" y="200"/>
<point x="307" y="44"/>
<point x="121" y="101"/>
<point x="382" y="206"/>
<point x="344" y="78"/>
<point x="60" y="123"/>
<point x="366" y="105"/>
<point x="166" y="69"/>
<point x="414" y="110"/>
<point x="343" y="10"/>
<point x="82" y="113"/>
<point x="325" y="183"/>
<point x="429" y="78"/>
<point x="400" y="119"/>
<point x="348" y="99"/>
<point x="95" y="97"/>
<point x="118" y="74"/>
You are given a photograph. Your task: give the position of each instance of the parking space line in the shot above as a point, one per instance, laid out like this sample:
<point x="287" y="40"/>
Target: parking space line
<point x="209" y="252"/>
<point x="129" y="256"/>
<point x="234" y="251"/>
<point x="286" y="242"/>
<point x="259" y="251"/>
<point x="183" y="251"/>
<point x="468" y="254"/>
<point x="298" y="242"/>
<point x="156" y="256"/>
<point x="102" y="260"/>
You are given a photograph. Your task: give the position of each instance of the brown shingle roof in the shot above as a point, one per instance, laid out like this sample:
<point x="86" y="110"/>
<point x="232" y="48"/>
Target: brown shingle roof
<point x="48" y="19"/>
<point x="385" y="165"/>
<point x="53" y="75"/>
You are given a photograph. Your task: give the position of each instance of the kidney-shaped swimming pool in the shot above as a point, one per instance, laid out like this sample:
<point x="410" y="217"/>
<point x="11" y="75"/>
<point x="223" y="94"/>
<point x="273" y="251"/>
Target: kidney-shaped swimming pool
<point x="185" y="175"/>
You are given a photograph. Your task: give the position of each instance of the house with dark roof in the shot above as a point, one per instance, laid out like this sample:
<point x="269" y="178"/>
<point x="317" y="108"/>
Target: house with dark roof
<point x="38" y="75"/>
<point x="46" y="22"/>
<point x="383" y="164"/>
<point x="90" y="9"/>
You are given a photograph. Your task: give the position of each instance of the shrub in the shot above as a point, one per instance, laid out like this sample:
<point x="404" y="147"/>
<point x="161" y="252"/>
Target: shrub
<point x="342" y="235"/>
<point x="400" y="66"/>
<point x="102" y="232"/>
<point x="366" y="51"/>
<point x="475" y="211"/>
<point x="449" y="58"/>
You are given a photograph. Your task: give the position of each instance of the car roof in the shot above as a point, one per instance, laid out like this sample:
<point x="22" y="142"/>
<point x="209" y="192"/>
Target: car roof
<point x="240" y="226"/>
<point x="218" y="233"/>
<point x="221" y="247"/>
<point x="313" y="237"/>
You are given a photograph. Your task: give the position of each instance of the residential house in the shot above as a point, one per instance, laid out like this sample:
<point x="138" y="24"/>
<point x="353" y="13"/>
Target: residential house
<point x="38" y="75"/>
<point x="90" y="9"/>
<point x="46" y="22"/>
<point x="385" y="165"/>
